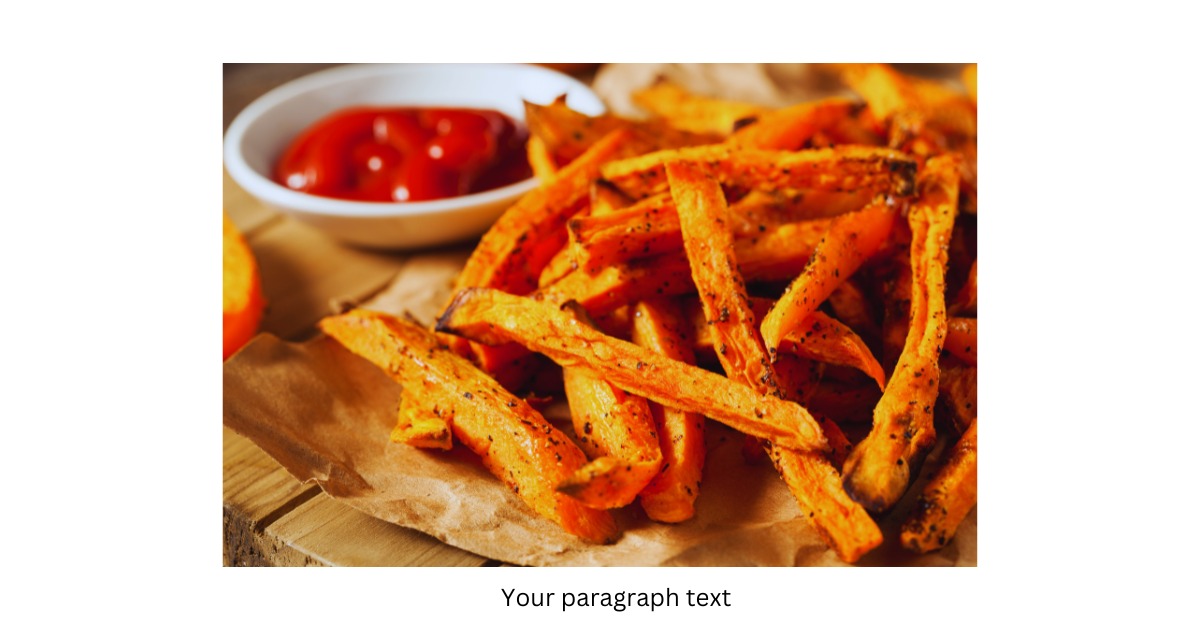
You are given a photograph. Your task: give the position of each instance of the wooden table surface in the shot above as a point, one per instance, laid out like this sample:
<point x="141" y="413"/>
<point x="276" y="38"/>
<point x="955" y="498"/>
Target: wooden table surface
<point x="270" y="519"/>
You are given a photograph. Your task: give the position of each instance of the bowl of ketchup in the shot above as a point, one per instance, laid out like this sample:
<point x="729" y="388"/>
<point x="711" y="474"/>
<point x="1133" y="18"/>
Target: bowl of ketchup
<point x="398" y="155"/>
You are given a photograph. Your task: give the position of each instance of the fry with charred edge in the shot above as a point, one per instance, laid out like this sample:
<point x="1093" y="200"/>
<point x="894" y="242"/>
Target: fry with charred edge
<point x="946" y="500"/>
<point x="421" y="422"/>
<point x="958" y="392"/>
<point x="517" y="445"/>
<point x="659" y="326"/>
<point x="819" y="337"/>
<point x="776" y="254"/>
<point x="961" y="339"/>
<point x="490" y="316"/>
<point x="852" y="238"/>
<point x="540" y="160"/>
<point x="851" y="306"/>
<point x="683" y="110"/>
<point x="562" y="264"/>
<point x="616" y="431"/>
<point x="788" y="129"/>
<point x="843" y="169"/>
<point x="512" y="253"/>
<point x="970" y="79"/>
<point x="709" y="245"/>
<point x="967" y="300"/>
<point x="877" y="472"/>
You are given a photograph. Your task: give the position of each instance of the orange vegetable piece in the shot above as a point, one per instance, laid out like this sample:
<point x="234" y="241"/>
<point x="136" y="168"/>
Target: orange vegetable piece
<point x="540" y="160"/>
<point x="243" y="299"/>
<point x="947" y="499"/>
<point x="690" y="112"/>
<point x="967" y="300"/>
<point x="658" y="325"/>
<point x="789" y="128"/>
<point x="852" y="238"/>
<point x="494" y="317"/>
<point x="517" y="445"/>
<point x="961" y="339"/>
<point x="878" y="470"/>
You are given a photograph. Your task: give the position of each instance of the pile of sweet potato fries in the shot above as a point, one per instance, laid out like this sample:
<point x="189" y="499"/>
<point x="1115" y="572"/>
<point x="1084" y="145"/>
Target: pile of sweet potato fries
<point x="787" y="273"/>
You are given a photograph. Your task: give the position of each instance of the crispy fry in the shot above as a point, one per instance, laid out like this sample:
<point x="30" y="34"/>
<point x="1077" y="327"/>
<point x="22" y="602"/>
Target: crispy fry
<point x="819" y="338"/>
<point x="958" y="392"/>
<point x="709" y="245"/>
<point x="961" y="339"/>
<point x="776" y="254"/>
<point x="540" y="160"/>
<point x="683" y="110"/>
<point x="658" y="326"/>
<point x="970" y="78"/>
<point x="562" y="264"/>
<point x="851" y="305"/>
<point x="606" y="198"/>
<point x="616" y="431"/>
<point x="517" y="445"/>
<point x="567" y="134"/>
<point x="843" y="169"/>
<point x="490" y="316"/>
<point x="946" y="500"/>
<point x="852" y="238"/>
<point x="421" y="421"/>
<point x="790" y="128"/>
<point x="967" y="300"/>
<point x="916" y="102"/>
<point x="878" y="470"/>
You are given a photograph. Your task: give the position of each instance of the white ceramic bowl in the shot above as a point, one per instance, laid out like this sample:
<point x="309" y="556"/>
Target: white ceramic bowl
<point x="263" y="130"/>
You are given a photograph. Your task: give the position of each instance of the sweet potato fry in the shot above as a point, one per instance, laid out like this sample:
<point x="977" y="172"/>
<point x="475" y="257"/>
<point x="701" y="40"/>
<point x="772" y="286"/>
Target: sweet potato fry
<point x="658" y="326"/>
<point x="517" y="445"/>
<point x="852" y="238"/>
<point x="709" y="245"/>
<point x="967" y="300"/>
<point x="421" y="421"/>
<point x="490" y="316"/>
<point x="616" y="431"/>
<point x="847" y="403"/>
<point x="567" y="134"/>
<point x="878" y="470"/>
<point x="946" y="500"/>
<point x="540" y="160"/>
<point x="961" y="339"/>
<point x="562" y="264"/>
<point x="844" y="169"/>
<point x="606" y="198"/>
<point x="790" y="128"/>
<point x="852" y="306"/>
<point x="683" y="110"/>
<point x="958" y="392"/>
<point x="512" y="254"/>
<point x="819" y="338"/>
<point x="777" y="254"/>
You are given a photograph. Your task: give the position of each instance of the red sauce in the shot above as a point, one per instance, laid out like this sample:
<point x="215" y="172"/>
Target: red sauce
<point x="405" y="154"/>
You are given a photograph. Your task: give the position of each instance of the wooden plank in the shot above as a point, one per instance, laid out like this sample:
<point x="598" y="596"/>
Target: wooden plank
<point x="338" y="535"/>
<point x="303" y="270"/>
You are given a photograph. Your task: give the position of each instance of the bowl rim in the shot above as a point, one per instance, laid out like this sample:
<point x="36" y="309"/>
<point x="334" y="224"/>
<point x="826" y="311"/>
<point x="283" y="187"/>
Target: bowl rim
<point x="275" y="194"/>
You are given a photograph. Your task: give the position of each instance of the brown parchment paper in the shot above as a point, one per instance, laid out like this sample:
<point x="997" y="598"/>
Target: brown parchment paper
<point x="325" y="415"/>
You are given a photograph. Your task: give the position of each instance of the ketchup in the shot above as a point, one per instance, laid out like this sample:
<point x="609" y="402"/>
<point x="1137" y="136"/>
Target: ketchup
<point x="405" y="154"/>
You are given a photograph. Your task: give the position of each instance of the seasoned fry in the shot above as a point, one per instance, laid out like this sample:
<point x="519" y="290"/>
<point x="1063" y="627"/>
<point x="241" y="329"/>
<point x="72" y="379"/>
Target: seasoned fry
<point x="967" y="300"/>
<point x="421" y="422"/>
<point x="970" y="78"/>
<point x="961" y="339"/>
<point x="843" y="169"/>
<point x="851" y="306"/>
<point x="567" y="134"/>
<point x="877" y="472"/>
<point x="540" y="160"/>
<point x="946" y="500"/>
<point x="562" y="264"/>
<point x="776" y="254"/>
<point x="606" y="198"/>
<point x="683" y="110"/>
<point x="958" y="392"/>
<point x="517" y="445"/>
<point x="790" y="128"/>
<point x="490" y="316"/>
<point x="709" y="245"/>
<point x="852" y="238"/>
<point x="658" y="326"/>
